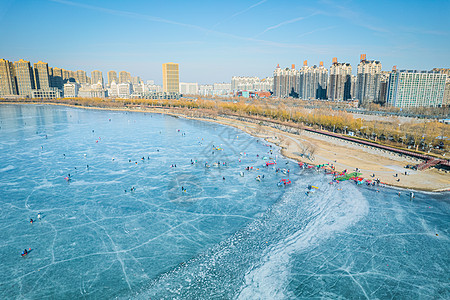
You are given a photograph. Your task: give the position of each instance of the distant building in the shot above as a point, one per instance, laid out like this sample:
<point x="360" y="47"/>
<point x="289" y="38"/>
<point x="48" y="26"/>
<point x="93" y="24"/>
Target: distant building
<point x="57" y="78"/>
<point x="71" y="89"/>
<point x="112" y="76"/>
<point x="189" y="88"/>
<point x="353" y="80"/>
<point x="48" y="93"/>
<point x="368" y="81"/>
<point x="92" y="91"/>
<point x="412" y="88"/>
<point x="124" y="77"/>
<point x="171" y="78"/>
<point x="25" y="77"/>
<point x="136" y="80"/>
<point x="139" y="89"/>
<point x="161" y="95"/>
<point x="8" y="84"/>
<point x="205" y="89"/>
<point x="285" y="82"/>
<point x="242" y="83"/>
<point x="339" y="81"/>
<point x="264" y="85"/>
<point x="443" y="71"/>
<point x="72" y="75"/>
<point x="96" y="77"/>
<point x="124" y="90"/>
<point x="312" y="83"/>
<point x="113" y="90"/>
<point x="81" y="77"/>
<point x="65" y="75"/>
<point x="41" y="76"/>
<point x="221" y="89"/>
<point x="384" y="78"/>
<point x="446" y="100"/>
<point x="154" y="88"/>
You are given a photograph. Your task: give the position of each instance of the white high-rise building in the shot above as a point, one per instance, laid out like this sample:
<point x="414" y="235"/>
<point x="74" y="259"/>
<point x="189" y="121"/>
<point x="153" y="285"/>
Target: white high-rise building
<point x="205" y="89"/>
<point x="189" y="88"/>
<point x="221" y="88"/>
<point x="412" y="88"/>
<point x="241" y="83"/>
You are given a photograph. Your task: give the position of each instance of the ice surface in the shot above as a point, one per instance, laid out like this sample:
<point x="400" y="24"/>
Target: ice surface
<point x="223" y="239"/>
<point x="97" y="238"/>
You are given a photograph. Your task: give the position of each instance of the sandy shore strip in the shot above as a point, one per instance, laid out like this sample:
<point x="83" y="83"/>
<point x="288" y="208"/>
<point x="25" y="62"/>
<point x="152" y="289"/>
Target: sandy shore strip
<point x="384" y="165"/>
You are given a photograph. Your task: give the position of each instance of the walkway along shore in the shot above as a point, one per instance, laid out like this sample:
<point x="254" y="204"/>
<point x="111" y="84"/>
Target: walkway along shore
<point x="314" y="147"/>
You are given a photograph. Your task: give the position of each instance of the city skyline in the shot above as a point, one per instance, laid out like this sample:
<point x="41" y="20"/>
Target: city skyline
<point x="214" y="42"/>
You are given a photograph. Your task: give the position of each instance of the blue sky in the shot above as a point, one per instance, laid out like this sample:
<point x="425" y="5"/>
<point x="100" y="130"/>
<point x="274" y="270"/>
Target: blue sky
<point x="213" y="40"/>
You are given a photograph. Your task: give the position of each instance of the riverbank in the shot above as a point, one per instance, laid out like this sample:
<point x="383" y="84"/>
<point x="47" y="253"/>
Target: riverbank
<point x="388" y="167"/>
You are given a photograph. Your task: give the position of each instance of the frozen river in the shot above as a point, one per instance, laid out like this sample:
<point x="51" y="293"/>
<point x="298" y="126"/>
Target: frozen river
<point x="120" y="225"/>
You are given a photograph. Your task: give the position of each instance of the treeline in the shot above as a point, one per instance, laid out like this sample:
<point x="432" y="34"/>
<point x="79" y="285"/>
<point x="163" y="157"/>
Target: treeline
<point x="425" y="136"/>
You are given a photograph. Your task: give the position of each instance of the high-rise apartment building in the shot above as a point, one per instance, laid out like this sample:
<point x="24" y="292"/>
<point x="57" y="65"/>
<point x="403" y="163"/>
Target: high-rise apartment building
<point x="339" y="81"/>
<point x="171" y="78"/>
<point x="412" y="88"/>
<point x="124" y="77"/>
<point x="65" y="74"/>
<point x="41" y="76"/>
<point x="446" y="100"/>
<point x="443" y="71"/>
<point x="81" y="77"/>
<point x="353" y="86"/>
<point x="96" y="77"/>
<point x="285" y="82"/>
<point x="384" y="79"/>
<point x="25" y="77"/>
<point x="368" y="81"/>
<point x="446" y="71"/>
<point x="313" y="81"/>
<point x="8" y="84"/>
<point x="112" y="76"/>
<point x="189" y="88"/>
<point x="57" y="78"/>
<point x="243" y="83"/>
<point x="136" y="80"/>
<point x="73" y="76"/>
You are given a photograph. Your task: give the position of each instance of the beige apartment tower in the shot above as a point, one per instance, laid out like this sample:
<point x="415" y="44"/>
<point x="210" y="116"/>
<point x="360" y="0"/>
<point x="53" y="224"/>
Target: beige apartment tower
<point x="25" y="77"/>
<point x="112" y="76"/>
<point x="41" y="75"/>
<point x="171" y="78"/>
<point x="7" y="78"/>
<point x="96" y="77"/>
<point x="124" y="77"/>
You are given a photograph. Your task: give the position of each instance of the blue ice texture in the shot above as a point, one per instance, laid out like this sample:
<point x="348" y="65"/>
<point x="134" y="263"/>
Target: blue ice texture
<point x="156" y="207"/>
